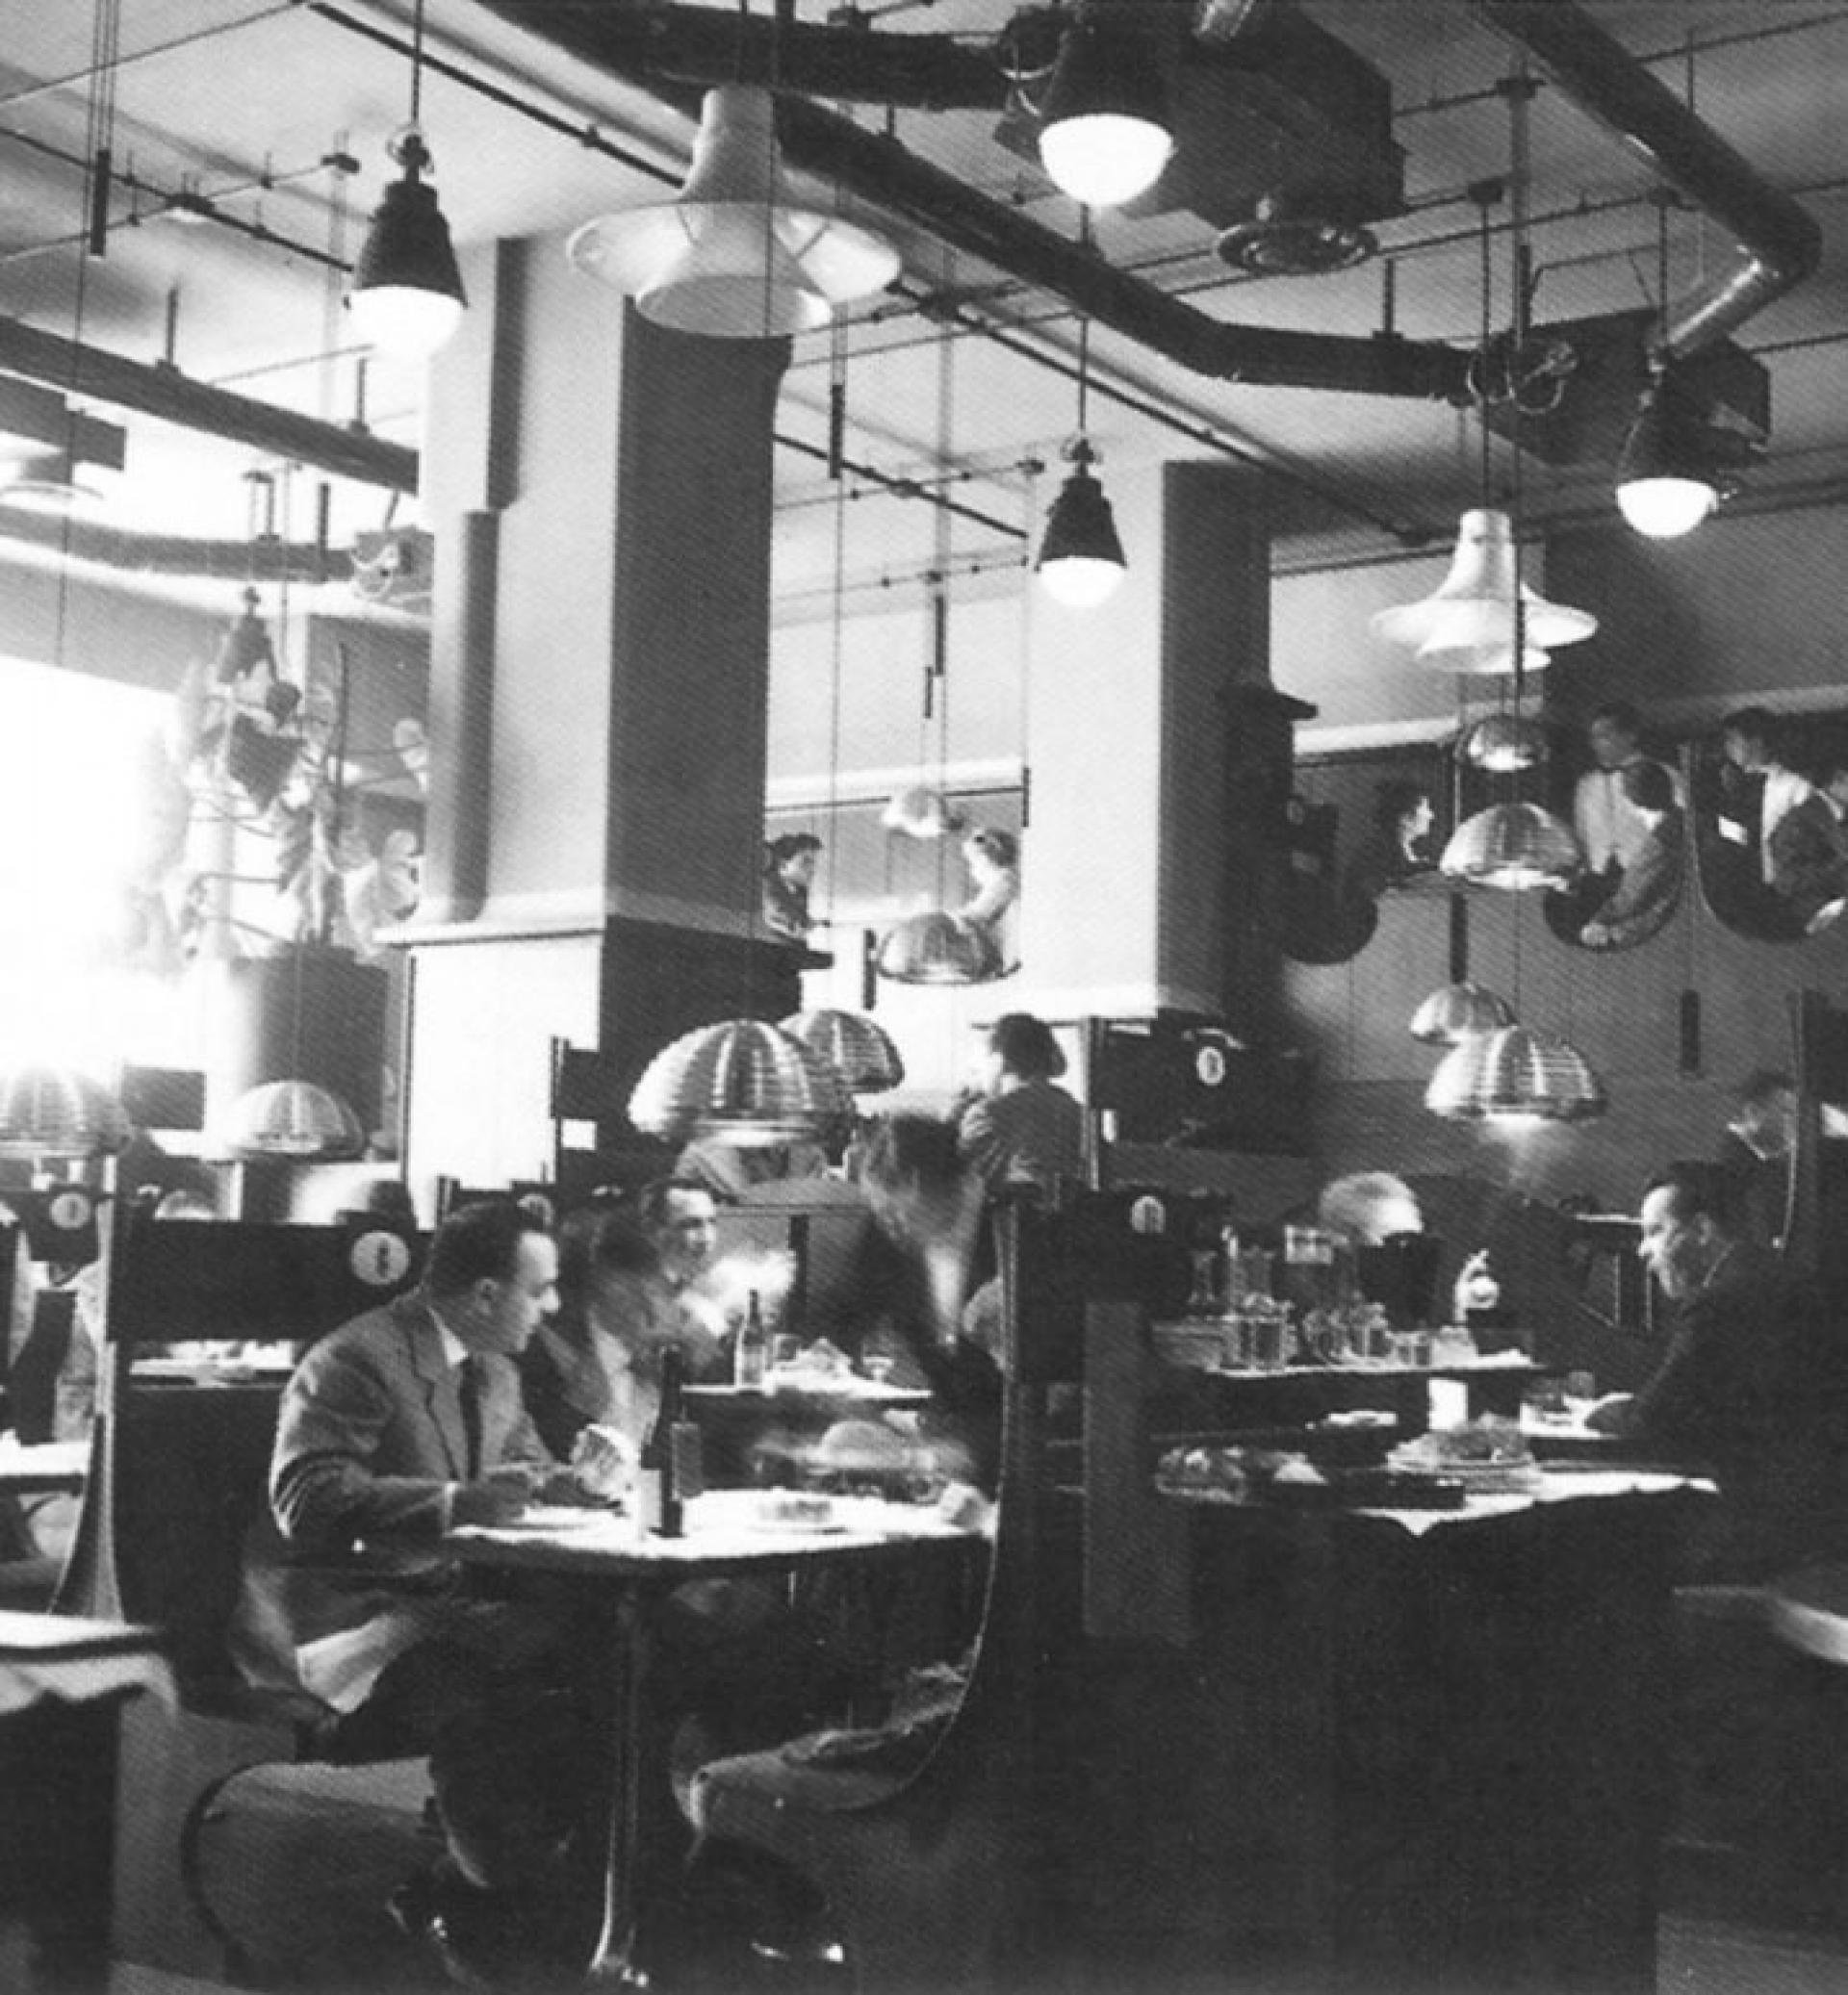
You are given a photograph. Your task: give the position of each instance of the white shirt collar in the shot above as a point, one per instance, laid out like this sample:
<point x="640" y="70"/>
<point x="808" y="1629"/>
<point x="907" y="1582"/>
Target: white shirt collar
<point x="455" y="1350"/>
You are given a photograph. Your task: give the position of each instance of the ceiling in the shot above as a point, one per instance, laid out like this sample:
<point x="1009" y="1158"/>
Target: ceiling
<point x="274" y="115"/>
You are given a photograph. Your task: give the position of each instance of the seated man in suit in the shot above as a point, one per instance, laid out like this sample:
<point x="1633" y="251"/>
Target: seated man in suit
<point x="397" y="1427"/>
<point x="1752" y="1387"/>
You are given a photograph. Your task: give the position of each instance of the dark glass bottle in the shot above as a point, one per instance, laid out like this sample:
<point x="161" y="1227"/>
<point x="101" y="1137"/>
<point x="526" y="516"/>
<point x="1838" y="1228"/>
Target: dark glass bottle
<point x="751" y="1354"/>
<point x="660" y="1479"/>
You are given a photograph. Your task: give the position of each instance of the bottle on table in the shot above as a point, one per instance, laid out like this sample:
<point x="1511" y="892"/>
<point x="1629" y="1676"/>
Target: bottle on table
<point x="668" y="1472"/>
<point x="751" y="1353"/>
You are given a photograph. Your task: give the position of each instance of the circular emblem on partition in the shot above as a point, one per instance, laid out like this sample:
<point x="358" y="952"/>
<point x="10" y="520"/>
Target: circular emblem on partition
<point x="1148" y="1215"/>
<point x="1209" y="1063"/>
<point x="379" y="1258"/>
<point x="69" y="1209"/>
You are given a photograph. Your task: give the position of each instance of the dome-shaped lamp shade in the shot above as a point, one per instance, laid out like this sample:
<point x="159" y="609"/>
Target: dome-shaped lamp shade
<point x="297" y="1119"/>
<point x="745" y="1083"/>
<point x="918" y="811"/>
<point x="1514" y="1076"/>
<point x="858" y="1048"/>
<point x="1104" y="133"/>
<point x="52" y="483"/>
<point x="407" y="295"/>
<point x="1514" y="847"/>
<point x="936" y="949"/>
<point x="1459" y="1011"/>
<point x="54" y="1112"/>
<point x="726" y="258"/>
<point x="1081" y="559"/>
<point x="1665" y="478"/>
<point x="1504" y="742"/>
<point x="1467" y="624"/>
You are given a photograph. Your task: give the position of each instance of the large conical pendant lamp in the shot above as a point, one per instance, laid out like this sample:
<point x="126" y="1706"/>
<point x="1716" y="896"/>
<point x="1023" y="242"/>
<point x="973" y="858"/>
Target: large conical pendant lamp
<point x="407" y="295"/>
<point x="1666" y="482"/>
<point x="1513" y="1076"/>
<point x="1512" y="846"/>
<point x="1468" y="623"/>
<point x="935" y="948"/>
<point x="297" y="1119"/>
<point x="727" y="259"/>
<point x="1458" y="1012"/>
<point x="744" y="1082"/>
<point x="57" y="1112"/>
<point x="858" y="1048"/>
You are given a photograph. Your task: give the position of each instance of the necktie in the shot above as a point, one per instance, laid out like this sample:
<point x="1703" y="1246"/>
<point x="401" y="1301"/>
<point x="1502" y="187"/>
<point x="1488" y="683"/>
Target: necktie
<point x="469" y="1388"/>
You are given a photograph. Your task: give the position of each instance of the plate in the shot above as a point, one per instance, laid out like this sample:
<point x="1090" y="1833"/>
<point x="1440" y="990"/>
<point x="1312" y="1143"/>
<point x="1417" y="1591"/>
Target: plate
<point x="553" y="1516"/>
<point x="807" y="1526"/>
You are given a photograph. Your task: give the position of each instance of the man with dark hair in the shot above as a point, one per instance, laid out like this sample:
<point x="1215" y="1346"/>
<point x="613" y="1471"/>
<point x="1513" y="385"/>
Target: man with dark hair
<point x="1753" y="1386"/>
<point x="1024" y="1127"/>
<point x="680" y="1216"/>
<point x="399" y="1426"/>
<point x="1809" y="851"/>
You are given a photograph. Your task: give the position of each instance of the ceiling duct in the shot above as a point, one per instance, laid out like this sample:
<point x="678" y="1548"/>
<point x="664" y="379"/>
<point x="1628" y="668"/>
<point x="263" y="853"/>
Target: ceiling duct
<point x="1780" y="242"/>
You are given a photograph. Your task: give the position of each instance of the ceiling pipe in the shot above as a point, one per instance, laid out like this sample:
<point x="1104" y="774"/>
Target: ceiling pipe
<point x="131" y="552"/>
<point x="171" y="396"/>
<point x="1779" y="241"/>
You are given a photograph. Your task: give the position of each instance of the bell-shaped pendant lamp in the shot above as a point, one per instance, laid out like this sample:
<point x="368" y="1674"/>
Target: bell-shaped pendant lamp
<point x="1666" y="481"/>
<point x="936" y="948"/>
<point x="1513" y="846"/>
<point x="407" y="295"/>
<point x="1468" y="623"/>
<point x="727" y="259"/>
<point x="1504" y="742"/>
<point x="1515" y="1075"/>
<point x="57" y="1111"/>
<point x="919" y="812"/>
<point x="1460" y="1010"/>
<point x="51" y="481"/>
<point x="858" y="1048"/>
<point x="297" y="1119"/>
<point x="1081" y="559"/>
<point x="1104" y="130"/>
<point x="745" y="1083"/>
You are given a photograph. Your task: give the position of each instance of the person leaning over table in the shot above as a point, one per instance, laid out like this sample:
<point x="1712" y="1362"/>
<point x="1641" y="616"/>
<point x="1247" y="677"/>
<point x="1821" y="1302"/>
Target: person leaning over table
<point x="1752" y="1387"/>
<point x="402" y="1423"/>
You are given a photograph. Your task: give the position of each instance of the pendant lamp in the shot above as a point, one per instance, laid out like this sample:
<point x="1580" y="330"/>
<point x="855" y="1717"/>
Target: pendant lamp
<point x="858" y="1048"/>
<point x="935" y="948"/>
<point x="1104" y="130"/>
<point x="57" y="1112"/>
<point x="727" y="258"/>
<point x="49" y="482"/>
<point x="1467" y="624"/>
<point x="297" y="1119"/>
<point x="1513" y="846"/>
<point x="918" y="811"/>
<point x="1513" y="1076"/>
<point x="744" y="1082"/>
<point x="1503" y="743"/>
<point x="1081" y="560"/>
<point x="1666" y="482"/>
<point x="407" y="295"/>
<point x="1457" y="1012"/>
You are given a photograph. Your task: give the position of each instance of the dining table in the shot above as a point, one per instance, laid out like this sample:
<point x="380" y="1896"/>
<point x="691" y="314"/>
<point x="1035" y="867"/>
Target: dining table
<point x="630" y="1573"/>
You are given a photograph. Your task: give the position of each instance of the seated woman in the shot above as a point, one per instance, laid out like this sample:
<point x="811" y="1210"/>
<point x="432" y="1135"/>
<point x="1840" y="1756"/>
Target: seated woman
<point x="1644" y="896"/>
<point x="1397" y="851"/>
<point x="1024" y="1127"/>
<point x="992" y="857"/>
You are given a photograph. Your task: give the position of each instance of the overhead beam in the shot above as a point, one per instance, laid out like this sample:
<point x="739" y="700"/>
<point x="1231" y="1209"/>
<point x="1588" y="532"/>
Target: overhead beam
<point x="170" y="397"/>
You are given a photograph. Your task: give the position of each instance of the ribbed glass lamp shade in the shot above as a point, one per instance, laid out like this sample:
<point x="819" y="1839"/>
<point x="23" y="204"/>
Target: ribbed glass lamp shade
<point x="1504" y="742"/>
<point x="935" y="949"/>
<point x="726" y="258"/>
<point x="1467" y="624"/>
<point x="745" y="1081"/>
<point x="1513" y="1076"/>
<point x="54" y="1112"/>
<point x="1512" y="846"/>
<point x="1458" y="1010"/>
<point x="858" y="1048"/>
<point x="298" y="1120"/>
<point x="407" y="295"/>
<point x="1104" y="134"/>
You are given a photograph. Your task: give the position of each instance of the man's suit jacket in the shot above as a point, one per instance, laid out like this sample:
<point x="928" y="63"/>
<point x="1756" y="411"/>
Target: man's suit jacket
<point x="370" y="1442"/>
<point x="1809" y="852"/>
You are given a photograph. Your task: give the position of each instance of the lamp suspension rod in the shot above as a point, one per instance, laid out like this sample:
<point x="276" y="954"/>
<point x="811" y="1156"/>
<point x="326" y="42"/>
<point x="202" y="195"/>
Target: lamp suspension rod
<point x="901" y="487"/>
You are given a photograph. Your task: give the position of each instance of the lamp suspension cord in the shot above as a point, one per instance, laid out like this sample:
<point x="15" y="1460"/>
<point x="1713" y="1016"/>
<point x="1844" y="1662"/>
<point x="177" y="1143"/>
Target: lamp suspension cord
<point x="1520" y="97"/>
<point x="836" y="636"/>
<point x="416" y="64"/>
<point x="937" y="690"/>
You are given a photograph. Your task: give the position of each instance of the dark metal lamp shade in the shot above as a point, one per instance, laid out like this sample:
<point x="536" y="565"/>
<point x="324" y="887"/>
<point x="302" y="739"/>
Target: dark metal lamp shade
<point x="54" y="1111"/>
<point x="1515" y="1075"/>
<point x="407" y="295"/>
<point x="746" y="1082"/>
<point x="858" y="1048"/>
<point x="1081" y="558"/>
